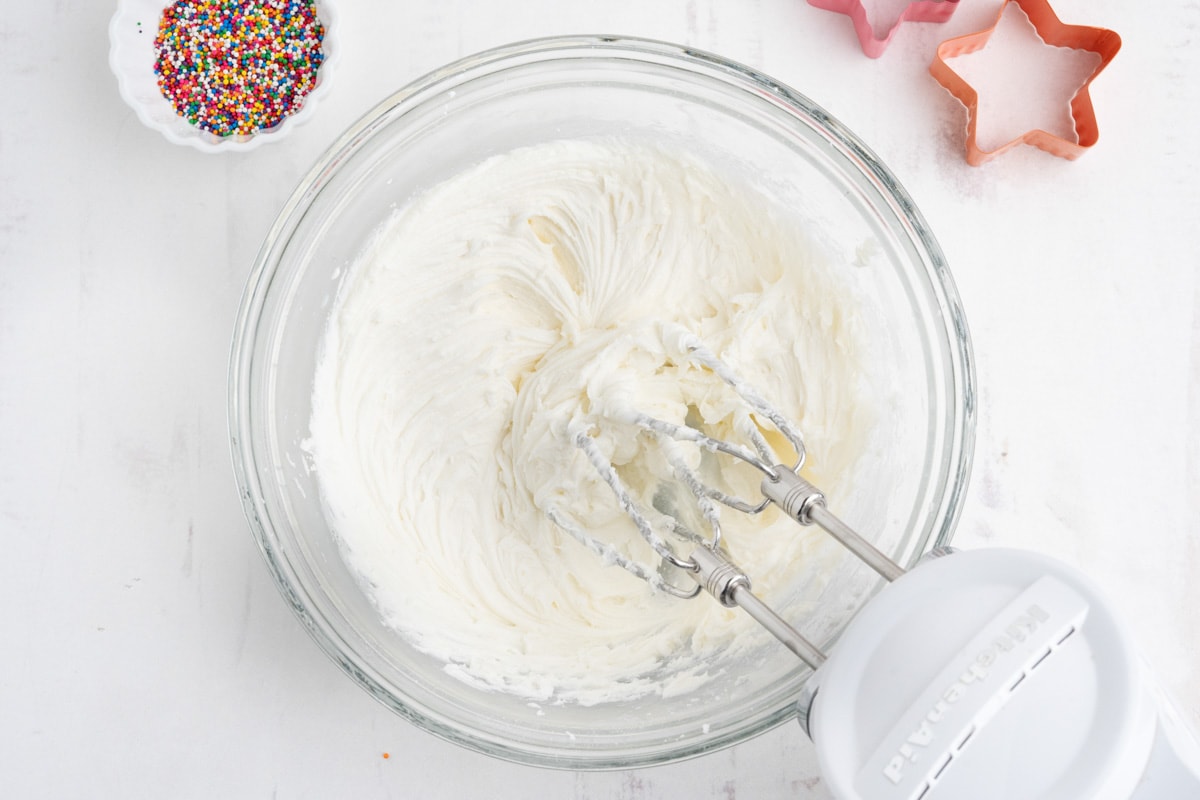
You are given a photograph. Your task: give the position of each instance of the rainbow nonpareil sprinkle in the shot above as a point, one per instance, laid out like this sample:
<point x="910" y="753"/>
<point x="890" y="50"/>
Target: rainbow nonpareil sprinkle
<point x="238" y="66"/>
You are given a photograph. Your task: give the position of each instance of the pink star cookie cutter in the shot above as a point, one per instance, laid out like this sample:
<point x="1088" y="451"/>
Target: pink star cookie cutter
<point x="873" y="46"/>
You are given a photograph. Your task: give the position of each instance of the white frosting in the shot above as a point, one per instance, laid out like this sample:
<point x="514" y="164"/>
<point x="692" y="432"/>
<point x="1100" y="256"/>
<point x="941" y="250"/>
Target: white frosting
<point x="525" y="298"/>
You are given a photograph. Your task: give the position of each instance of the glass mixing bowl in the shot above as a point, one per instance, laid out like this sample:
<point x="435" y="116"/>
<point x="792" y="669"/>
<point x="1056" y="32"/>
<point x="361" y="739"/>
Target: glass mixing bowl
<point x="906" y="498"/>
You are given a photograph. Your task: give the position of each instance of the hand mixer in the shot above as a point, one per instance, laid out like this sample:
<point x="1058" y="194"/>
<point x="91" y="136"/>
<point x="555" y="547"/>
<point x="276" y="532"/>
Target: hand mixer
<point x="975" y="675"/>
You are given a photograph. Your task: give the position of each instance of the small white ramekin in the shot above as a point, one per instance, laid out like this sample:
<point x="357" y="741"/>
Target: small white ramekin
<point x="131" y="57"/>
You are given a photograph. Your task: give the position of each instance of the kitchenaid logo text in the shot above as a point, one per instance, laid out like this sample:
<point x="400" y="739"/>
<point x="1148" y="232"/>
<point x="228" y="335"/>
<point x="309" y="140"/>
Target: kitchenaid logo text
<point x="1020" y="629"/>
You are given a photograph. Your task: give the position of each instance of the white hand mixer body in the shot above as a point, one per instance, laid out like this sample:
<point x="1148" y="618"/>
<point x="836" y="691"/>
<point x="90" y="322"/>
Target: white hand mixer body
<point x="986" y="675"/>
<point x="994" y="674"/>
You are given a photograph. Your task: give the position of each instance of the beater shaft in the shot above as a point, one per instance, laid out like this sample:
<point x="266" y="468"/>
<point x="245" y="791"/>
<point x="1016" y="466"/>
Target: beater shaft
<point x="804" y="503"/>
<point x="778" y="627"/>
<point x="731" y="587"/>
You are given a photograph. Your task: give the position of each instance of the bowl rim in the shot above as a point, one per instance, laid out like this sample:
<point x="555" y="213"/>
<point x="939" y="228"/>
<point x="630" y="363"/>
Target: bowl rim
<point x="960" y="366"/>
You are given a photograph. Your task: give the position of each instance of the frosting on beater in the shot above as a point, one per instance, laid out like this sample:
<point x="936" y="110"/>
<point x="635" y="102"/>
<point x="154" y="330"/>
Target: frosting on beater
<point x="522" y="299"/>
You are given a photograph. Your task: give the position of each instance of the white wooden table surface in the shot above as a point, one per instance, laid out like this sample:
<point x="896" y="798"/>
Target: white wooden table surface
<point x="146" y="652"/>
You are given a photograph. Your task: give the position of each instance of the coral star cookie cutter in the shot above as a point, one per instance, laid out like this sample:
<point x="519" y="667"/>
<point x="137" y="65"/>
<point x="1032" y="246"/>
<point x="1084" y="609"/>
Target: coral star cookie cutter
<point x="1053" y="32"/>
<point x="873" y="46"/>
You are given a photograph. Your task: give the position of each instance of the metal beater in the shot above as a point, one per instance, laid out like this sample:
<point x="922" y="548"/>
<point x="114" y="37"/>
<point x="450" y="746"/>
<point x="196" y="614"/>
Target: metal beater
<point x="707" y="562"/>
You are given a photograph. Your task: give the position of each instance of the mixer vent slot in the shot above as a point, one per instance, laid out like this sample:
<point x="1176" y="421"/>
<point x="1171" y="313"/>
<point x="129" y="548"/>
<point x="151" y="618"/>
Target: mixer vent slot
<point x="1041" y="659"/>
<point x="963" y="741"/>
<point x="925" y="787"/>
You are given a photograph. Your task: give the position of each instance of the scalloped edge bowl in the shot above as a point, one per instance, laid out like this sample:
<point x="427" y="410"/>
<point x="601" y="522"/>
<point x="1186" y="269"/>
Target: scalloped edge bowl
<point x="131" y="57"/>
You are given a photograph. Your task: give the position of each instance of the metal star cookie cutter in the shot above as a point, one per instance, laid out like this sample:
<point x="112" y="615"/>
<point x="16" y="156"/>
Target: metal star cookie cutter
<point x="1055" y="33"/>
<point x="873" y="46"/>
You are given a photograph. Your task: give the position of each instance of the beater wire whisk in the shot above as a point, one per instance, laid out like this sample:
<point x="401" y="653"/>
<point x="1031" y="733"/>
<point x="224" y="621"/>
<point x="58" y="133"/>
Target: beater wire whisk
<point x="706" y="563"/>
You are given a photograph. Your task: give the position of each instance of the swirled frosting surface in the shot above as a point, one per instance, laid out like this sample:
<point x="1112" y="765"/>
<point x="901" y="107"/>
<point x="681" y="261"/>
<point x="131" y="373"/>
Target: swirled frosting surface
<point x="527" y="298"/>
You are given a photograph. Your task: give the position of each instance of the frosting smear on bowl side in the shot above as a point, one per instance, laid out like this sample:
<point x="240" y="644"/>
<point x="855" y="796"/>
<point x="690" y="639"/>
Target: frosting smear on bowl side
<point x="525" y="296"/>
